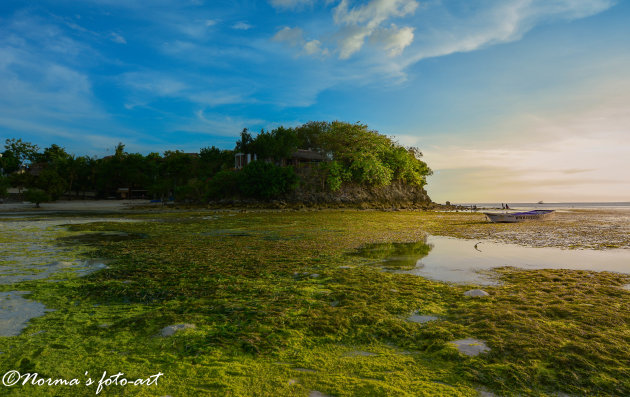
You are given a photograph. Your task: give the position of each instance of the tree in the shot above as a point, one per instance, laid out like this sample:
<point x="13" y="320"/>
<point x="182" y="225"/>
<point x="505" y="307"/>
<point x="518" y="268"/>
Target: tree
<point x="213" y="160"/>
<point x="36" y="196"/>
<point x="4" y="186"/>
<point x="50" y="181"/>
<point x="22" y="152"/>
<point x="244" y="143"/>
<point x="52" y="155"/>
<point x="177" y="168"/>
<point x="263" y="180"/>
<point x="332" y="175"/>
<point x="309" y="134"/>
<point x="224" y="183"/>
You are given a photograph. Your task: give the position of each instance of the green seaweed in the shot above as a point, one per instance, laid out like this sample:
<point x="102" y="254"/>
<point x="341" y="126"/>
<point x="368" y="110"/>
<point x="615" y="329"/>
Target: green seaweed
<point x="280" y="311"/>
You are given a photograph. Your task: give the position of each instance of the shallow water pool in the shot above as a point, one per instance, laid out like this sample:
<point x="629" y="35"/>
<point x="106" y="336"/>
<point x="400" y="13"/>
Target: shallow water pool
<point x="470" y="261"/>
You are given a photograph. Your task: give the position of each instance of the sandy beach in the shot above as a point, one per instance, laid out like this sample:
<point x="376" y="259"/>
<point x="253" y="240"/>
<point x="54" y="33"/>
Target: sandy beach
<point x="75" y="206"/>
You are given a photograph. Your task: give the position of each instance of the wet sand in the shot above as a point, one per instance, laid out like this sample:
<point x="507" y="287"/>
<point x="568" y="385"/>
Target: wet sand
<point x="600" y="228"/>
<point x="75" y="206"/>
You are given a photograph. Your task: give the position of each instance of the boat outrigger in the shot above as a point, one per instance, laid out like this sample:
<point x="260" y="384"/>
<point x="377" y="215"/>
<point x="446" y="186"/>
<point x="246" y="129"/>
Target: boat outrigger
<point x="511" y="217"/>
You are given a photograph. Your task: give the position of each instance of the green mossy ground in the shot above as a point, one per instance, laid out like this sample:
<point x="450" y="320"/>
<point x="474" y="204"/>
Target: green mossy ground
<point x="276" y="315"/>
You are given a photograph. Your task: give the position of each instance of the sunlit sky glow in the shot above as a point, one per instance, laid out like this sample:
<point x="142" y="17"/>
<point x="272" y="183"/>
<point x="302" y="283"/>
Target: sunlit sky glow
<point x="510" y="100"/>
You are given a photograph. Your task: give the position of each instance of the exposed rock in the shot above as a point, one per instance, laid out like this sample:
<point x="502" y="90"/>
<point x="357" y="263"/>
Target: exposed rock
<point x="304" y="370"/>
<point x="470" y="346"/>
<point x="315" y="393"/>
<point x="172" y="329"/>
<point x="359" y="353"/>
<point x="476" y="293"/>
<point x="421" y="319"/>
<point x="626" y="287"/>
<point x="485" y="393"/>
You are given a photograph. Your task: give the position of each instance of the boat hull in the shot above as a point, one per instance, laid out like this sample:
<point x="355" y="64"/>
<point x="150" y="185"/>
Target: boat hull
<point x="519" y="216"/>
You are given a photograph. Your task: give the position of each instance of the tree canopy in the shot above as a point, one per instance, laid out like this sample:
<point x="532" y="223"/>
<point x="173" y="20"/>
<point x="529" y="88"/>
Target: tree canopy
<point x="352" y="154"/>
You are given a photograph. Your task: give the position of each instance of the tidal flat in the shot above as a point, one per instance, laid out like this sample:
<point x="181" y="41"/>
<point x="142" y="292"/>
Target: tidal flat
<point x="279" y="303"/>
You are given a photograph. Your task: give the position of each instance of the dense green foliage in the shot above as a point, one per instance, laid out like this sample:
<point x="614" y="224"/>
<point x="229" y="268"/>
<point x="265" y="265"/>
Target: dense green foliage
<point x="266" y="180"/>
<point x="351" y="153"/>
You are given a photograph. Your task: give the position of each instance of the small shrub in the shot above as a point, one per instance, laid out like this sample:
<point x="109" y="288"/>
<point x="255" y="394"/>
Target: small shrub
<point x="36" y="196"/>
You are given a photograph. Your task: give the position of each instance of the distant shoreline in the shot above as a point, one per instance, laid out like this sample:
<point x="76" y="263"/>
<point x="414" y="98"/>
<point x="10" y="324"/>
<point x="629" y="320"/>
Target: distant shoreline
<point x="553" y="206"/>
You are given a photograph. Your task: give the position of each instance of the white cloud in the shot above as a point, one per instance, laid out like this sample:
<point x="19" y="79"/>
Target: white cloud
<point x="314" y="47"/>
<point x="356" y="23"/>
<point x="374" y="12"/>
<point x="363" y="21"/>
<point x="351" y="40"/>
<point x="393" y="39"/>
<point x="116" y="38"/>
<point x="294" y="37"/>
<point x="242" y="26"/>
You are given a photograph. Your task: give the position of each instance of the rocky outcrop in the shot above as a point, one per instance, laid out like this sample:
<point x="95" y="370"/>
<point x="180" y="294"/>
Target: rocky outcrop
<point x="397" y="195"/>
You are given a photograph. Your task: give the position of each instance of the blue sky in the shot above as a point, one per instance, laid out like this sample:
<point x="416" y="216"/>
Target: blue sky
<point x="510" y="100"/>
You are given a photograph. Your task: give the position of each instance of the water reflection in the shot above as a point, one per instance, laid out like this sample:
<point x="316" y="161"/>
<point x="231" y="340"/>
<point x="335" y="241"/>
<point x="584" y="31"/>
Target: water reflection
<point x="396" y="256"/>
<point x="16" y="311"/>
<point x="42" y="249"/>
<point x="470" y="261"/>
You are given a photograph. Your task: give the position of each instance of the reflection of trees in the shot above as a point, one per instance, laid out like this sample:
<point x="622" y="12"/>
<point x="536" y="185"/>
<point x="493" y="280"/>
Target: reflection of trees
<point x="397" y="256"/>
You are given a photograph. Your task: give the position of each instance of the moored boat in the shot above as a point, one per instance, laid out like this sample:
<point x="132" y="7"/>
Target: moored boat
<point x="511" y="217"/>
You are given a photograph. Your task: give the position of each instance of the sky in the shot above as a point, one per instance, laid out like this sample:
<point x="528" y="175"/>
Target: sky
<point x="509" y="100"/>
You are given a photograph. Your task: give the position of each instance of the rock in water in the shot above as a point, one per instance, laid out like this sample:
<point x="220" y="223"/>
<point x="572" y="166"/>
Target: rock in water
<point x="315" y="393"/>
<point x="421" y="319"/>
<point x="476" y="293"/>
<point x="471" y="347"/>
<point x="171" y="329"/>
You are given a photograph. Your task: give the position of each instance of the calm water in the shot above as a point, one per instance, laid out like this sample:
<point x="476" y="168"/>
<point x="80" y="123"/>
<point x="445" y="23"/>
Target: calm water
<point x="40" y="249"/>
<point x="556" y="206"/>
<point x="458" y="261"/>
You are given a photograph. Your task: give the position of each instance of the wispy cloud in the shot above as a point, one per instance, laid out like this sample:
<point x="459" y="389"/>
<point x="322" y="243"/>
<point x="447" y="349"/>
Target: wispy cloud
<point x="46" y="94"/>
<point x="503" y="22"/>
<point x="116" y="38"/>
<point x="242" y="26"/>
<point x="148" y="86"/>
<point x="290" y="4"/>
<point x="555" y="153"/>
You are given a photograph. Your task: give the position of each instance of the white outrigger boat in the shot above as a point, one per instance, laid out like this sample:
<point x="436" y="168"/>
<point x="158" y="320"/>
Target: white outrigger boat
<point x="511" y="217"/>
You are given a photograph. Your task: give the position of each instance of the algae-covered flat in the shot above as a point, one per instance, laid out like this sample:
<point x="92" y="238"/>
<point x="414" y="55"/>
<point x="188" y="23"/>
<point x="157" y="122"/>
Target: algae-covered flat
<point x="260" y="330"/>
